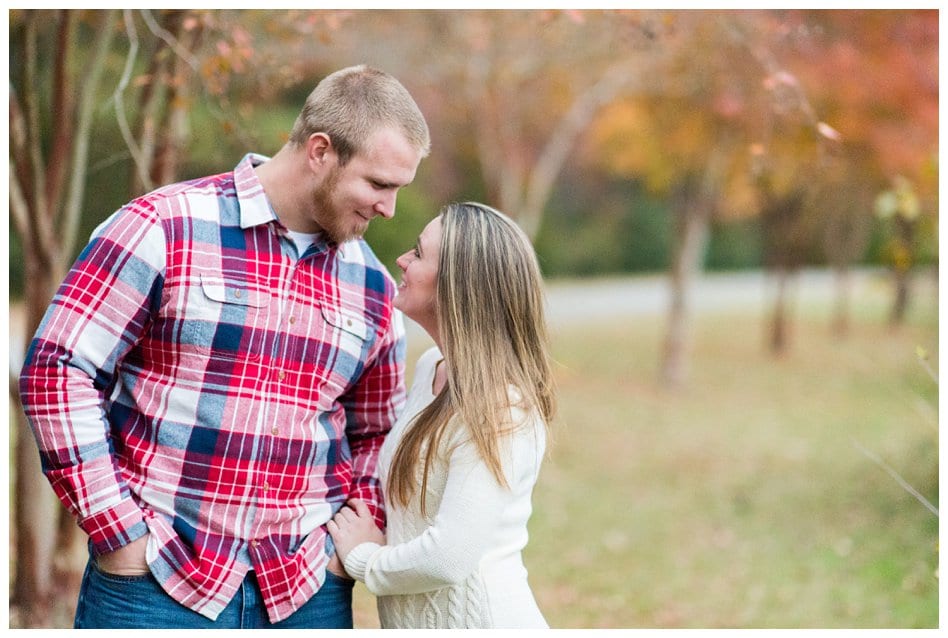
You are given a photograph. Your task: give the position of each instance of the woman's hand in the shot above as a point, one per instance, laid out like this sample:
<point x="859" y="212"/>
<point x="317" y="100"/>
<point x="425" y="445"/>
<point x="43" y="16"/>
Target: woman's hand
<point x="351" y="526"/>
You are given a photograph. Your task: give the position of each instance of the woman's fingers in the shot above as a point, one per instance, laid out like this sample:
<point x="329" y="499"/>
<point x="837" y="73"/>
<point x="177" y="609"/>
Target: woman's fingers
<point x="346" y="514"/>
<point x="360" y="508"/>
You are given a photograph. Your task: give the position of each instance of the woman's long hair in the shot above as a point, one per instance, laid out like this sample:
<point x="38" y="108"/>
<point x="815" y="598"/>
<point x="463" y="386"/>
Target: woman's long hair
<point x="493" y="332"/>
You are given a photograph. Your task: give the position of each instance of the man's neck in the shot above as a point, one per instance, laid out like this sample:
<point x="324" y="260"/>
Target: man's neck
<point x="284" y="185"/>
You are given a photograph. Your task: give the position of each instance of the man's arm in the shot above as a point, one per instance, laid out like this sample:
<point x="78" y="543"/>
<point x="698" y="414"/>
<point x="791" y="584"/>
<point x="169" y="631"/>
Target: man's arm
<point x="95" y="318"/>
<point x="375" y="403"/>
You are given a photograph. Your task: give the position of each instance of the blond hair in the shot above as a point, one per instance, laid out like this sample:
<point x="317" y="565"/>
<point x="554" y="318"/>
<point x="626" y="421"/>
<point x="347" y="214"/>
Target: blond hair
<point x="493" y="332"/>
<point x="352" y="103"/>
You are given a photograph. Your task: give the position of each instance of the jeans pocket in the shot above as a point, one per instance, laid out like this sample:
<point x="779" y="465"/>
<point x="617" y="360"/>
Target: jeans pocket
<point x="333" y="580"/>
<point x="116" y="601"/>
<point x="120" y="578"/>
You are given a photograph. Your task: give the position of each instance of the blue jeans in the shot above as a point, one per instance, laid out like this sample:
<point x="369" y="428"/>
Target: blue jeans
<point x="108" y="601"/>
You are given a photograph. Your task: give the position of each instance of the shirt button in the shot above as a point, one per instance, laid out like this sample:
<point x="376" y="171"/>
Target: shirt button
<point x="292" y="320"/>
<point x="348" y="323"/>
<point x="255" y="543"/>
<point x="281" y="375"/>
<point x="266" y="487"/>
<point x="237" y="294"/>
<point x="274" y="430"/>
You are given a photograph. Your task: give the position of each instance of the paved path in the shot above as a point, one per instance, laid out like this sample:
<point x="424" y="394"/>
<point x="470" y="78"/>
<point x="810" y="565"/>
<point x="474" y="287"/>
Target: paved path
<point x="571" y="301"/>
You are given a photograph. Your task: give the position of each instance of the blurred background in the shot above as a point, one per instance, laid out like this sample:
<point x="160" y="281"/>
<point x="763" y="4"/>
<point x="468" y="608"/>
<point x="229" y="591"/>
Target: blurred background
<point x="737" y="216"/>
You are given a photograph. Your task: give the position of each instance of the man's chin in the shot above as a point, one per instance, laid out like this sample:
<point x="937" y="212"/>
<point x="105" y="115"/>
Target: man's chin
<point x="339" y="236"/>
<point x="356" y="234"/>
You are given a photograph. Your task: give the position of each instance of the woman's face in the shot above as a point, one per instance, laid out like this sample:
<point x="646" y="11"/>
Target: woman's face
<point x="417" y="292"/>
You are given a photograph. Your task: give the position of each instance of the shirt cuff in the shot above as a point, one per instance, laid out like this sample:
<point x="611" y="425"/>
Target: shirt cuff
<point x="357" y="560"/>
<point x="115" y="527"/>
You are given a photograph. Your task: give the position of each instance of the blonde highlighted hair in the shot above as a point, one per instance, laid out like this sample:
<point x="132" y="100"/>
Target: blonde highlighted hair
<point x="493" y="333"/>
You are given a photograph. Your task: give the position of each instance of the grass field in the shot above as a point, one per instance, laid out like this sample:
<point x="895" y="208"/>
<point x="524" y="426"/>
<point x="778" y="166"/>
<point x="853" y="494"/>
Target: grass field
<point x="745" y="500"/>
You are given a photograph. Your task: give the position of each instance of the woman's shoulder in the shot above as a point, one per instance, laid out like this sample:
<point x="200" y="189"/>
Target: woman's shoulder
<point x="425" y="370"/>
<point x="429" y="359"/>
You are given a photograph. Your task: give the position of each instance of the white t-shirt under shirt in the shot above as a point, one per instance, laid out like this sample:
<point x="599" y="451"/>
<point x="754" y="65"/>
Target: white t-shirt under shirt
<point x="302" y="240"/>
<point x="462" y="565"/>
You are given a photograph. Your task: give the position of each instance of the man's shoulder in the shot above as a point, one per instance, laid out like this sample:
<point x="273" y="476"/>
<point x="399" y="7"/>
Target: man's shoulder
<point x="207" y="188"/>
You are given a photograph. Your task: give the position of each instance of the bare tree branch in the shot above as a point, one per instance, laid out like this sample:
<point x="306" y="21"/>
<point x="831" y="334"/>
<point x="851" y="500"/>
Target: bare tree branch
<point x="118" y="98"/>
<point x="175" y="127"/>
<point x="170" y="39"/>
<point x="149" y="105"/>
<point x="556" y="151"/>
<point x="62" y="109"/>
<point x="89" y="89"/>
<point x="31" y="114"/>
<point x="19" y="155"/>
<point x="19" y="209"/>
<point x="898" y="478"/>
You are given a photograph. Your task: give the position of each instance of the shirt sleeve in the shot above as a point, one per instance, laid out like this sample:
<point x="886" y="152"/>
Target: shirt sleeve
<point x="371" y="411"/>
<point x="461" y="533"/>
<point x="96" y="316"/>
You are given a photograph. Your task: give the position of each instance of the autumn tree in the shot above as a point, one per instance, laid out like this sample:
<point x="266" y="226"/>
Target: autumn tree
<point x="874" y="75"/>
<point x="514" y="90"/>
<point x="845" y="194"/>
<point x="68" y="66"/>
<point x="691" y="142"/>
<point x="900" y="206"/>
<point x="47" y="180"/>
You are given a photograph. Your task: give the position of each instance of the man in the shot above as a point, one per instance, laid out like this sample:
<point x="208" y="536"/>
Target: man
<point x="215" y="376"/>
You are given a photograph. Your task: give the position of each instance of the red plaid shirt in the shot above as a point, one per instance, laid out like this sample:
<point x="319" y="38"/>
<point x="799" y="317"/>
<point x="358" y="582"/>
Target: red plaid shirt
<point x="195" y="381"/>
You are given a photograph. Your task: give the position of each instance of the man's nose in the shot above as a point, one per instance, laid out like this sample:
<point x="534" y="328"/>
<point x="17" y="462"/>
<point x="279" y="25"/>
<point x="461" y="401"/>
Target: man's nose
<point x="386" y="206"/>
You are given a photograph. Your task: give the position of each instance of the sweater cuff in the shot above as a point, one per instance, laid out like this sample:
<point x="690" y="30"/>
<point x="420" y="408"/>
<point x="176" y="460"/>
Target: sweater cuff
<point x="358" y="559"/>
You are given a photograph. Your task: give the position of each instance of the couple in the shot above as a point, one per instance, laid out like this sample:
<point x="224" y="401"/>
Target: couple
<point x="217" y="391"/>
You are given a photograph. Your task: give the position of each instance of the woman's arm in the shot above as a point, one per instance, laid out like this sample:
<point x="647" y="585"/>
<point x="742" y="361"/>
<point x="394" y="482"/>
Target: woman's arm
<point x="450" y="549"/>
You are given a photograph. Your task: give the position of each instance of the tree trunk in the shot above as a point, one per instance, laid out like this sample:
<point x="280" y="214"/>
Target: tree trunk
<point x="900" y="305"/>
<point x="35" y="538"/>
<point x="72" y="554"/>
<point x="841" y="323"/>
<point x="37" y="509"/>
<point x="779" y="332"/>
<point x="691" y="240"/>
<point x="904" y="260"/>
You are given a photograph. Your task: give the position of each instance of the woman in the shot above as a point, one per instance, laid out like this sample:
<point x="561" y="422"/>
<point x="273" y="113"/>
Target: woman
<point x="459" y="466"/>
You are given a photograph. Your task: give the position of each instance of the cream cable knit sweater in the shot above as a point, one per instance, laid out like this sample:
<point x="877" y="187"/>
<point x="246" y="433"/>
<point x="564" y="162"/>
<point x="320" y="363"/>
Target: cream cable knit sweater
<point x="462" y="566"/>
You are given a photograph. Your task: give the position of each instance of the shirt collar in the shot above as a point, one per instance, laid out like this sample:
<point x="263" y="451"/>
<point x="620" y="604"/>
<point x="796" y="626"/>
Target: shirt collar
<point x="255" y="208"/>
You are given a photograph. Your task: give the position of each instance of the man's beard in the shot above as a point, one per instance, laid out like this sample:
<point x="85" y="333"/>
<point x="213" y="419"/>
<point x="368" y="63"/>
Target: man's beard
<point x="330" y="219"/>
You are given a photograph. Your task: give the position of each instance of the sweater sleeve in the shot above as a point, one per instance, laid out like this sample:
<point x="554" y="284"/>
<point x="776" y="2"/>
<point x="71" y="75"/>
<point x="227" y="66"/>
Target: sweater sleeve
<point x="462" y="532"/>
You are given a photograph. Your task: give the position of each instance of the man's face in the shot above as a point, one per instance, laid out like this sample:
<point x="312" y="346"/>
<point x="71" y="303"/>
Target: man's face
<point x="350" y="196"/>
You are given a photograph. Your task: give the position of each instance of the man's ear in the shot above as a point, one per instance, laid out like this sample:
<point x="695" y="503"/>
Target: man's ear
<point x="319" y="151"/>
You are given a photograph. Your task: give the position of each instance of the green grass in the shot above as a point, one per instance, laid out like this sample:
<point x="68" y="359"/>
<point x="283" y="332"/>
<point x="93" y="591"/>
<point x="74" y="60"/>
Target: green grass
<point x="743" y="500"/>
<point x="740" y="501"/>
